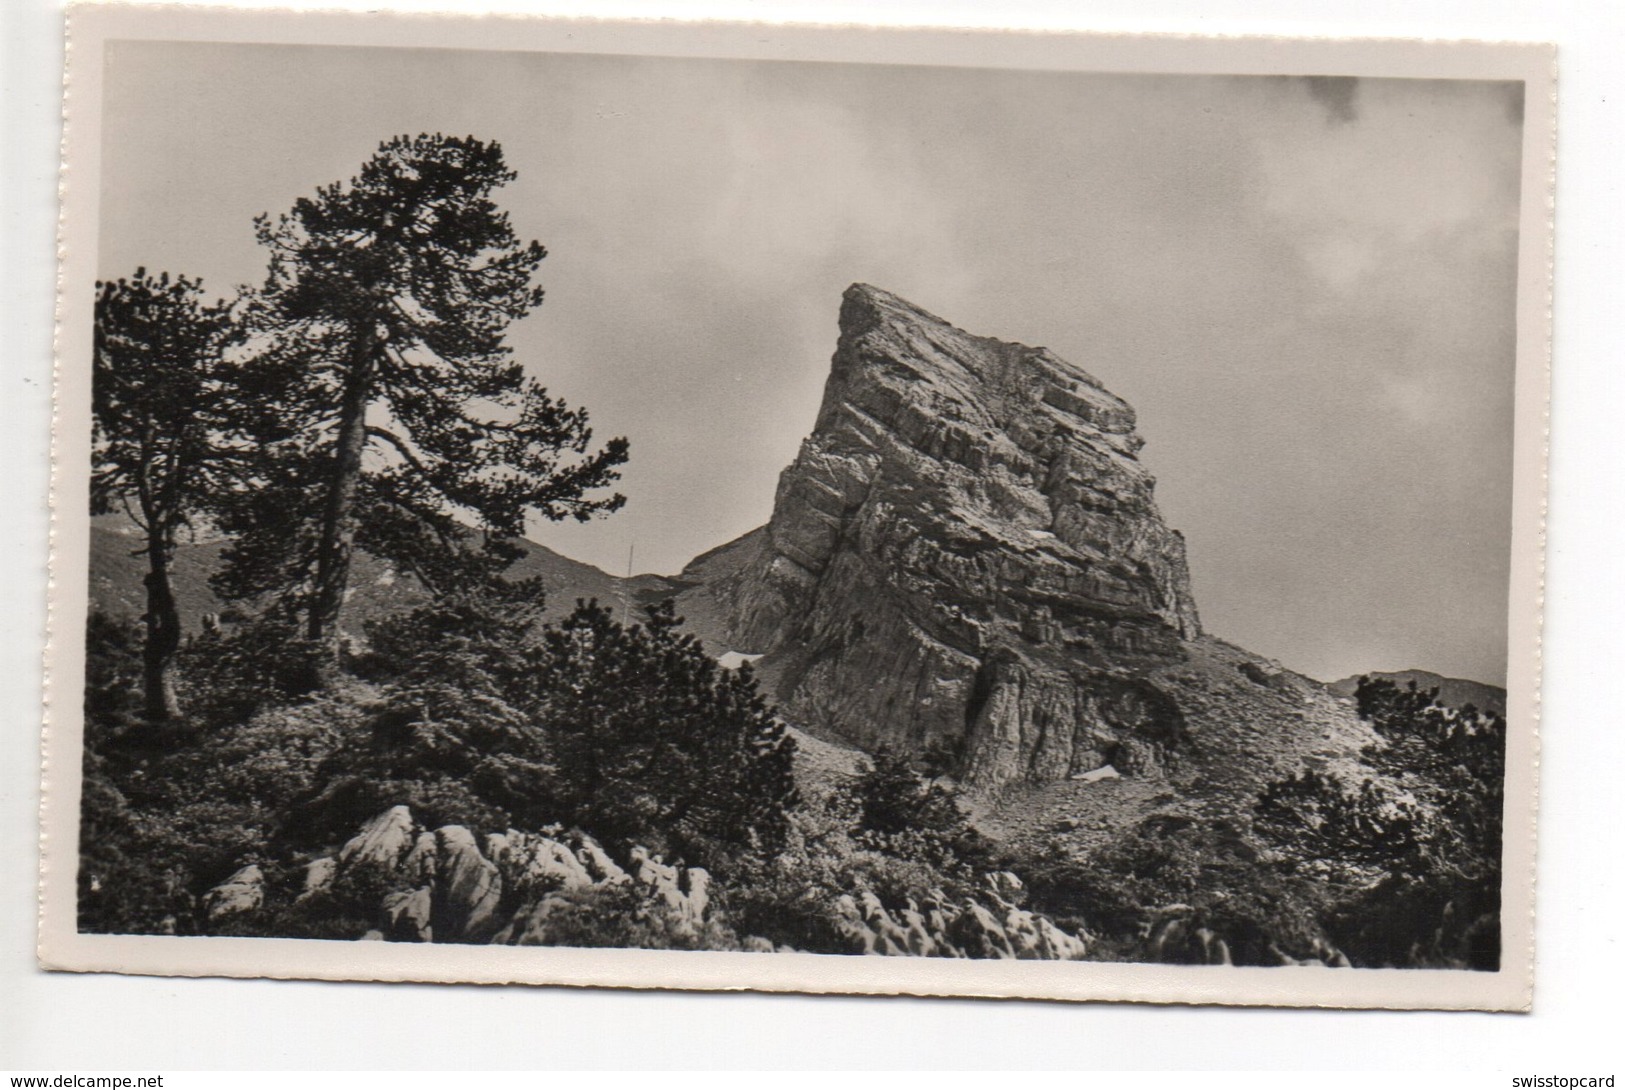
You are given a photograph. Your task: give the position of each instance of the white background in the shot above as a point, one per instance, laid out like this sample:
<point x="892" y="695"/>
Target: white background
<point x="59" y="1022"/>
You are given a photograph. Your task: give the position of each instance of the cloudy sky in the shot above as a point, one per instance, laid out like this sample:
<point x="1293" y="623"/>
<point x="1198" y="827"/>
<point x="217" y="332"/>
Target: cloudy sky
<point x="1305" y="287"/>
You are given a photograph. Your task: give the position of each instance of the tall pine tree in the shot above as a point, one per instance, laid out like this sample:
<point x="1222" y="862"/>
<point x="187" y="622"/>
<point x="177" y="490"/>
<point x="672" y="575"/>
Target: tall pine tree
<point x="158" y="403"/>
<point x="397" y="409"/>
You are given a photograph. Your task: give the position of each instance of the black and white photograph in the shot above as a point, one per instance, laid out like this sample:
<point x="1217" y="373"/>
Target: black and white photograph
<point x="1034" y="516"/>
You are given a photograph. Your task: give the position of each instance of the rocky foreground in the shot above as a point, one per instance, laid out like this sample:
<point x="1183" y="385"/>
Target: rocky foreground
<point x="528" y="889"/>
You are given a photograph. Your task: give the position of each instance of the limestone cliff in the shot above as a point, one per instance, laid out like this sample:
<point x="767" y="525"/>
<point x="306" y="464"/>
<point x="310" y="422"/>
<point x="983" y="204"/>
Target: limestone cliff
<point x="966" y="556"/>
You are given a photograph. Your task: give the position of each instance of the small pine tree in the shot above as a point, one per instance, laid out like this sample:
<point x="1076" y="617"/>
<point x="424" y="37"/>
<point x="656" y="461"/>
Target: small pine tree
<point x="455" y="732"/>
<point x="1454" y="761"/>
<point x="1416" y="855"/>
<point x="892" y="798"/>
<point x="159" y="401"/>
<point x="653" y="740"/>
<point x="1330" y="828"/>
<point x="898" y="812"/>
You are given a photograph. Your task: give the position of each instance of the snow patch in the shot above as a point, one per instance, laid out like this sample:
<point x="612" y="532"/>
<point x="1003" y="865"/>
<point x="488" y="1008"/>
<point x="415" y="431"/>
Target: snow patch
<point x="733" y="660"/>
<point x="1104" y="772"/>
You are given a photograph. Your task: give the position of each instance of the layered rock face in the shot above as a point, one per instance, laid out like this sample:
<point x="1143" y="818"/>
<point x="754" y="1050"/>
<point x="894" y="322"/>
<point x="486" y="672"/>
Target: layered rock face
<point x="965" y="556"/>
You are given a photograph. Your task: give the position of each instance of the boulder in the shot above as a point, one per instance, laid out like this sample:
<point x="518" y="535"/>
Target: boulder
<point x="243" y="892"/>
<point x="421" y="860"/>
<point x="852" y="927"/>
<point x="918" y="934"/>
<point x="382" y="842"/>
<point x="599" y="865"/>
<point x="685" y="891"/>
<point x="1048" y="941"/>
<point x="407" y="916"/>
<point x="696" y="886"/>
<point x="467" y="888"/>
<point x="1006" y="885"/>
<point x="532" y="865"/>
<point x="318" y="876"/>
<point x="985" y="927"/>
<point x="980" y="933"/>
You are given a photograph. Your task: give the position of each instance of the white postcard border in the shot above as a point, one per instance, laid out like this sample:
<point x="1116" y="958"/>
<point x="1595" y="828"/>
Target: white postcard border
<point x="62" y="947"/>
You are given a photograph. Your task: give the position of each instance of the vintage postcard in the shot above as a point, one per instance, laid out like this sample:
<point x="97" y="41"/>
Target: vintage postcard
<point x="806" y="509"/>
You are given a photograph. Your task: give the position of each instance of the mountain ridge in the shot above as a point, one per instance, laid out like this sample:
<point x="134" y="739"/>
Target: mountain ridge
<point x="377" y="589"/>
<point x="1454" y="692"/>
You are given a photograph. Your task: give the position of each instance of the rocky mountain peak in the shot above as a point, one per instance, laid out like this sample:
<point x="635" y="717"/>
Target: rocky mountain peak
<point x="968" y="518"/>
<point x="987" y="378"/>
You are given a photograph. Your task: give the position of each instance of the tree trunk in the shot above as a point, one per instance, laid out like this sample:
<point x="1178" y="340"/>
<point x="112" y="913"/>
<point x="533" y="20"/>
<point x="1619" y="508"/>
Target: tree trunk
<point x="338" y="520"/>
<point x="163" y="625"/>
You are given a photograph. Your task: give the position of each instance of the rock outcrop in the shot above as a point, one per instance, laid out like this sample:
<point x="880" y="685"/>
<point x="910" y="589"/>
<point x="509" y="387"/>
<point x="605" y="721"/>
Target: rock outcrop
<point x="988" y="926"/>
<point x="550" y="889"/>
<point x="966" y="555"/>
<point x="449" y="885"/>
<point x="243" y="892"/>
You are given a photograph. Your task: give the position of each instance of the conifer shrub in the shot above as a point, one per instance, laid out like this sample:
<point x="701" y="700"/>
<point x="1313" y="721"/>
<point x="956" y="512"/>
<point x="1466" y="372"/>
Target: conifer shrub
<point x="1210" y="874"/>
<point x="1411" y="855"/>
